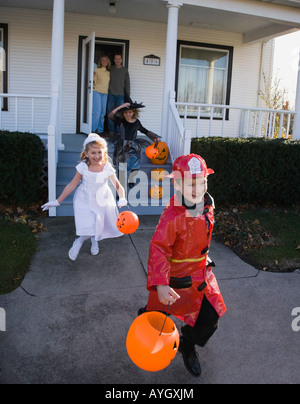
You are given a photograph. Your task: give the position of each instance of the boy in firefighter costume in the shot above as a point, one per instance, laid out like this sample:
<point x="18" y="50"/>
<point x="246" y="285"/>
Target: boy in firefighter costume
<point x="180" y="278"/>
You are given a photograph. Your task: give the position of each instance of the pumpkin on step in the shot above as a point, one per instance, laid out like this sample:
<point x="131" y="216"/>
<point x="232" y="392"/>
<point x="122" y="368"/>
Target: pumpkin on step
<point x="158" y="174"/>
<point x="163" y="153"/>
<point x="156" y="192"/>
<point x="151" y="151"/>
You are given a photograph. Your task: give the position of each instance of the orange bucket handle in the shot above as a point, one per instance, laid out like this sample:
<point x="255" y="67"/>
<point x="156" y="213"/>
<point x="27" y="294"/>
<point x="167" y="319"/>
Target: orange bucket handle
<point x="167" y="313"/>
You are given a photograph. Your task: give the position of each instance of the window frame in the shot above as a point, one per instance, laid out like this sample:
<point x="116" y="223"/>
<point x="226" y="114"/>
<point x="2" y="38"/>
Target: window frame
<point x="4" y="28"/>
<point x="208" y="46"/>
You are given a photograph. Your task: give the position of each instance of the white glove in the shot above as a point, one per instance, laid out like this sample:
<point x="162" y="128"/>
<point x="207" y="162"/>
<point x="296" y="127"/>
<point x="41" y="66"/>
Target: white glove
<point x="51" y="204"/>
<point x="122" y="202"/>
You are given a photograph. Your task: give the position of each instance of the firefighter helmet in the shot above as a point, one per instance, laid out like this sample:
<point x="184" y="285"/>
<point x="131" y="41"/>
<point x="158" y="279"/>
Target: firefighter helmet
<point x="190" y="166"/>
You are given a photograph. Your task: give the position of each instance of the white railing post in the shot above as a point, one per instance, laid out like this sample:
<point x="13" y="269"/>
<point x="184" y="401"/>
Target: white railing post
<point x="187" y="141"/>
<point x="52" y="147"/>
<point x="32" y="113"/>
<point x="51" y="167"/>
<point x="259" y="124"/>
<point x="280" y="125"/>
<point x="288" y="125"/>
<point x="169" y="117"/>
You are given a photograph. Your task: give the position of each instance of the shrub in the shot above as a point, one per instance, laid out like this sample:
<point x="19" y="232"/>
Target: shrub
<point x="21" y="159"/>
<point x="17" y="246"/>
<point x="252" y="170"/>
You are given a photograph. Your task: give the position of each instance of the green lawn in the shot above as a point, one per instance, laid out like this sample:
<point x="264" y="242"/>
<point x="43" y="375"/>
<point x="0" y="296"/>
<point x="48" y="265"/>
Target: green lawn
<point x="284" y="227"/>
<point x="267" y="238"/>
<point x="17" y="246"/>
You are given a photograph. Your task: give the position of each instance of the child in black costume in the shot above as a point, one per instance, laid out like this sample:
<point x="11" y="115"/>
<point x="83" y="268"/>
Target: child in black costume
<point x="128" y="147"/>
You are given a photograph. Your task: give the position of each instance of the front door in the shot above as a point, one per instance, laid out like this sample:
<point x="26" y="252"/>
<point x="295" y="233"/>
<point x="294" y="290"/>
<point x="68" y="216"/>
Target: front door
<point x="90" y="50"/>
<point x="87" y="71"/>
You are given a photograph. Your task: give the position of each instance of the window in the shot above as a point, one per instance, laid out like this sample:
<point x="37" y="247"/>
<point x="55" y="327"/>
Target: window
<point x="3" y="63"/>
<point x="203" y="76"/>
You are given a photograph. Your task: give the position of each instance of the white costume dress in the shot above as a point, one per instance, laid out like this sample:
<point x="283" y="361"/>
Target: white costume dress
<point x="95" y="208"/>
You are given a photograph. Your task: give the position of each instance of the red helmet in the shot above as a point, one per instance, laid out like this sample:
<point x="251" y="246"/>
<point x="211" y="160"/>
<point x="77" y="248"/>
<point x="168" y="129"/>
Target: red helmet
<point x="190" y="166"/>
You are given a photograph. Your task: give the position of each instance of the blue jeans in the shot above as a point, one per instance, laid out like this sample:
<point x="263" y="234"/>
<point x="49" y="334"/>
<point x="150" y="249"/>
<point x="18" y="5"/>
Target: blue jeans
<point x="113" y="102"/>
<point x="99" y="111"/>
<point x="133" y="162"/>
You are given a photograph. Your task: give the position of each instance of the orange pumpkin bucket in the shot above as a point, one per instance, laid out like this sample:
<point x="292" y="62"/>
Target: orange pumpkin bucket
<point x="156" y="192"/>
<point x="127" y="222"/>
<point x="152" y="341"/>
<point x="163" y="153"/>
<point x="151" y="151"/>
<point x="158" y="174"/>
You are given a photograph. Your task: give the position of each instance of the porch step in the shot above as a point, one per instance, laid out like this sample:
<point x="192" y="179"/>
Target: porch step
<point x="138" y="197"/>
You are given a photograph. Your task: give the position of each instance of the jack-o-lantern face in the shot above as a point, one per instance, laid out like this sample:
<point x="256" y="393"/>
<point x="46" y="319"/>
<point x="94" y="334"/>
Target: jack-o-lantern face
<point x="158" y="174"/>
<point x="127" y="222"/>
<point x="163" y="153"/>
<point x="156" y="192"/>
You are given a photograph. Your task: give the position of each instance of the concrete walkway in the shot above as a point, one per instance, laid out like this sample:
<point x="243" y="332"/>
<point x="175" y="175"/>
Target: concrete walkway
<point x="68" y="321"/>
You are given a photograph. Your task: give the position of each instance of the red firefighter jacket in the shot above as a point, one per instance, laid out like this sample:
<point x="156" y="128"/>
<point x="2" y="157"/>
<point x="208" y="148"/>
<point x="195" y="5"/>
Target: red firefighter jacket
<point x="178" y="257"/>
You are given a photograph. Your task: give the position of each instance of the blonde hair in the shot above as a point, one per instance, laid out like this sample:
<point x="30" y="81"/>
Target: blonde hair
<point x="103" y="145"/>
<point x="136" y="112"/>
<point x="108" y="60"/>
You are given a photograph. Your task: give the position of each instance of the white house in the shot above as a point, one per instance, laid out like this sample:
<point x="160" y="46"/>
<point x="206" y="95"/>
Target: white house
<point x="197" y="65"/>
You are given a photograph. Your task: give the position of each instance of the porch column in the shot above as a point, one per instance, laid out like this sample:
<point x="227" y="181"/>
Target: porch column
<point x="296" y="127"/>
<point x="170" y="61"/>
<point x="57" y="56"/>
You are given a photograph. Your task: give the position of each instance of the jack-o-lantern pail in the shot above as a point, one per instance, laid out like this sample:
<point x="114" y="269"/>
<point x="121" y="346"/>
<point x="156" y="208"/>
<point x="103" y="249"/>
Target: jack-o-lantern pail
<point x="158" y="174"/>
<point x="127" y="222"/>
<point x="152" y="341"/>
<point x="163" y="153"/>
<point x="156" y="192"/>
<point x="151" y="151"/>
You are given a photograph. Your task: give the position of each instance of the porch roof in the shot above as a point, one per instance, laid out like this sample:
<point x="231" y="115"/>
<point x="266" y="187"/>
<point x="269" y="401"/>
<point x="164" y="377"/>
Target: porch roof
<point x="256" y="20"/>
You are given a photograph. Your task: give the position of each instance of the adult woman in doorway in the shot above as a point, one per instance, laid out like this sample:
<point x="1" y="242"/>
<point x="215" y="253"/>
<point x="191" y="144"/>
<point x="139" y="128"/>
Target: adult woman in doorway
<point x="100" y="94"/>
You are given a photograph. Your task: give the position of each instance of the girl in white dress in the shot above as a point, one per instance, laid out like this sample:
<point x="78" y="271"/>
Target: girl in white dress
<point x="95" y="209"/>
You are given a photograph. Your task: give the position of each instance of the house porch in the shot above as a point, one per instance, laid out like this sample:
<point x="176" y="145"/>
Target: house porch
<point x="248" y="23"/>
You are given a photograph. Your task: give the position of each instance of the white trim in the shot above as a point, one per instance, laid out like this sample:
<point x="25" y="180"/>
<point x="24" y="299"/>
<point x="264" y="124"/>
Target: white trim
<point x="274" y="12"/>
<point x="57" y="58"/>
<point x="170" y="63"/>
<point x="296" y="127"/>
<point x="267" y="33"/>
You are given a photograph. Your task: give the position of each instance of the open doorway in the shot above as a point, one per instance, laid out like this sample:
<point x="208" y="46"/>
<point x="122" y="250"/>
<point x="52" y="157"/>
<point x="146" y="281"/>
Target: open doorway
<point x="103" y="46"/>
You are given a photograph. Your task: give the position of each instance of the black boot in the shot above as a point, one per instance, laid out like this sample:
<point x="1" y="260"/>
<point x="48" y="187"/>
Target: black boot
<point x="190" y="358"/>
<point x="141" y="310"/>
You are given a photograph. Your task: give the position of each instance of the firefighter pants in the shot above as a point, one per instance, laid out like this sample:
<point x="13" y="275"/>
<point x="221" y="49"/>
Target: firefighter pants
<point x="205" y="326"/>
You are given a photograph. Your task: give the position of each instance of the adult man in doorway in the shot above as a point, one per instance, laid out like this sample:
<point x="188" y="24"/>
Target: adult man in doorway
<point x="119" y="80"/>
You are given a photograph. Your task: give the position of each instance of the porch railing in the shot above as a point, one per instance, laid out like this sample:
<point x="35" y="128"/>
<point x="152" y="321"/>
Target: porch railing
<point x="36" y="114"/>
<point x="25" y="112"/>
<point x="187" y="120"/>
<point x="178" y="138"/>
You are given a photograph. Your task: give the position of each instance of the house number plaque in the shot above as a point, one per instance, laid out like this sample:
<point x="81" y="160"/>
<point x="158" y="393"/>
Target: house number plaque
<point x="151" y="60"/>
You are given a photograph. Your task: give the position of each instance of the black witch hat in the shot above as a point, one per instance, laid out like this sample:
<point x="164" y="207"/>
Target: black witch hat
<point x="133" y="105"/>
